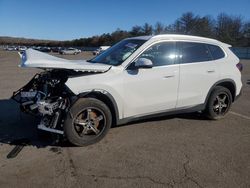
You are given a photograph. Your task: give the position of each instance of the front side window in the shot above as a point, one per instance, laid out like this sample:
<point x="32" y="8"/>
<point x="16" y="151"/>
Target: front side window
<point x="191" y="52"/>
<point x="118" y="53"/>
<point x="160" y="54"/>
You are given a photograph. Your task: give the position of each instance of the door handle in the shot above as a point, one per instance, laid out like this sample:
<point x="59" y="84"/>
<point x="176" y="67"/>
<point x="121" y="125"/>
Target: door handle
<point x="210" y="71"/>
<point x="169" y="76"/>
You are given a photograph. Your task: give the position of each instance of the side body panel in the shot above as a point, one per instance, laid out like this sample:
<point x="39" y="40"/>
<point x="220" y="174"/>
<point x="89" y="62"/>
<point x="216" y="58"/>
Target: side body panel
<point x="109" y="83"/>
<point x="228" y="70"/>
<point x="195" y="81"/>
<point x="150" y="90"/>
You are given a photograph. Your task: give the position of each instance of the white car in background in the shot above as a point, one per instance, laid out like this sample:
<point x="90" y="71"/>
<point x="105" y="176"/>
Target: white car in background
<point x="11" y="48"/>
<point x="70" y="51"/>
<point x="100" y="50"/>
<point x="137" y="78"/>
<point x="22" y="48"/>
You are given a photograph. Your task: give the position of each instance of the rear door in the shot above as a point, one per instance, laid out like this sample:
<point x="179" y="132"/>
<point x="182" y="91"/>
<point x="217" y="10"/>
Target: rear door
<point x="198" y="72"/>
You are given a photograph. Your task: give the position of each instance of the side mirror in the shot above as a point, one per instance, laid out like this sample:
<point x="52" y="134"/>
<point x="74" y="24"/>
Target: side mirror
<point x="143" y="63"/>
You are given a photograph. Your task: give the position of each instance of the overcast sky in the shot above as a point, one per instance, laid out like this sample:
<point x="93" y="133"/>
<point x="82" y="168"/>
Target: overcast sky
<point x="70" y="19"/>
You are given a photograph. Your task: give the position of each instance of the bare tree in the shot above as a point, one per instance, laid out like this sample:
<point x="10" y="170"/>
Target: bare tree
<point x="159" y="28"/>
<point x="170" y="29"/>
<point x="229" y="28"/>
<point x="136" y="31"/>
<point x="147" y="29"/>
<point x="186" y="23"/>
<point x="119" y="35"/>
<point x="204" y="26"/>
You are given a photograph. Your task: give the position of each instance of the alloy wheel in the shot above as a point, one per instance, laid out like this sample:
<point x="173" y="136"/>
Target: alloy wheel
<point x="90" y="122"/>
<point x="221" y="104"/>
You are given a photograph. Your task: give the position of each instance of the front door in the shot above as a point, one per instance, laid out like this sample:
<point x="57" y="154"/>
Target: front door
<point x="152" y="90"/>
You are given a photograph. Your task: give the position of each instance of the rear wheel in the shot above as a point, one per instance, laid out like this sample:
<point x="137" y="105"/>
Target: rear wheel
<point x="87" y="122"/>
<point x="219" y="103"/>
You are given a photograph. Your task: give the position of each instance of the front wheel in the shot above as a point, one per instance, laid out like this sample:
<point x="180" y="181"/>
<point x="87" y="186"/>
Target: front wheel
<point x="219" y="103"/>
<point x="87" y="122"/>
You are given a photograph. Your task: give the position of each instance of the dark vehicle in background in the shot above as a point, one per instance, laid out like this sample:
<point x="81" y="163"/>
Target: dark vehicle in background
<point x="56" y="49"/>
<point x="45" y="49"/>
<point x="100" y="50"/>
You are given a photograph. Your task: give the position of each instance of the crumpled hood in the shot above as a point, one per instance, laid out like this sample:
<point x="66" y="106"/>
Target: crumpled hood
<point x="36" y="59"/>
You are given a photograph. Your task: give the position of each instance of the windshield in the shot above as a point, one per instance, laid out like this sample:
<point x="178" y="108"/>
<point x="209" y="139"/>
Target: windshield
<point x="118" y="53"/>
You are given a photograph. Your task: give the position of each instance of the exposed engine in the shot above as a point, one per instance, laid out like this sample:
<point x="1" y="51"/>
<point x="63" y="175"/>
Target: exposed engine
<point x="47" y="96"/>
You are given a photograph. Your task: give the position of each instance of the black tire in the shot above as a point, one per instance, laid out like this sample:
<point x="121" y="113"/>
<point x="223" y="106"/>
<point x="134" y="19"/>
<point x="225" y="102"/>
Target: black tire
<point x="219" y="103"/>
<point x="87" y="131"/>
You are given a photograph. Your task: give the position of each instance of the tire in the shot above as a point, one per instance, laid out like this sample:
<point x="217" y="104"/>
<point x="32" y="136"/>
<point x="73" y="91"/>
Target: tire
<point x="219" y="103"/>
<point x="87" y="122"/>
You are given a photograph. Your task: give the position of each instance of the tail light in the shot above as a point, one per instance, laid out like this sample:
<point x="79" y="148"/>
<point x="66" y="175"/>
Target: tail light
<point x="239" y="66"/>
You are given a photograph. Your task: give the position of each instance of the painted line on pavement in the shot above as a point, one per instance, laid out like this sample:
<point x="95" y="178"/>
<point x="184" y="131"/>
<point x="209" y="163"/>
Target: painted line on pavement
<point x="240" y="115"/>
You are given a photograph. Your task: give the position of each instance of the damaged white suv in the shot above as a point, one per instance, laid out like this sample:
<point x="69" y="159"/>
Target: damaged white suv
<point x="136" y="78"/>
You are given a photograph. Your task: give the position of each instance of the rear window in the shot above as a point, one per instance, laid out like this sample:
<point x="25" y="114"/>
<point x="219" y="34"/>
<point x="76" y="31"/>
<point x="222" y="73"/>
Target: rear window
<point x="191" y="52"/>
<point x="216" y="51"/>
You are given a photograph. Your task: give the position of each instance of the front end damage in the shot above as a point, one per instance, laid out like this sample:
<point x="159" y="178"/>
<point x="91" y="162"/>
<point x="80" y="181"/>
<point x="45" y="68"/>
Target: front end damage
<point x="46" y="94"/>
<point x="47" y="97"/>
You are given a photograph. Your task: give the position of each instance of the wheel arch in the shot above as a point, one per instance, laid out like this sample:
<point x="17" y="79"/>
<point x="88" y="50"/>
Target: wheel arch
<point x="227" y="83"/>
<point x="106" y="98"/>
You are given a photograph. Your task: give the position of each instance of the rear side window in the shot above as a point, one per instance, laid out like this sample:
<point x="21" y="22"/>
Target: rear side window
<point x="216" y="51"/>
<point x="191" y="52"/>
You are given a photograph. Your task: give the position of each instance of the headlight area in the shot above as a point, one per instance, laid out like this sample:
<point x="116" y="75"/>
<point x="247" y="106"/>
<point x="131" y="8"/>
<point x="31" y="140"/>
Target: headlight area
<point x="47" y="96"/>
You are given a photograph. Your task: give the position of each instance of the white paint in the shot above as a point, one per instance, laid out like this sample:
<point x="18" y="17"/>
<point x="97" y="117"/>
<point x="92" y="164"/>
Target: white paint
<point x="240" y="115"/>
<point x="34" y="58"/>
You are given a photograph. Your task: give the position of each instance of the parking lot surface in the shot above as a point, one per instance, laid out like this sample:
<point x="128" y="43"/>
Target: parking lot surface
<point x="174" y="151"/>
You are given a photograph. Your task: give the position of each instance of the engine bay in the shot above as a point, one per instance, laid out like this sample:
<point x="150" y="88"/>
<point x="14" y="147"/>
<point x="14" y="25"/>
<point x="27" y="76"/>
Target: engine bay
<point x="47" y="97"/>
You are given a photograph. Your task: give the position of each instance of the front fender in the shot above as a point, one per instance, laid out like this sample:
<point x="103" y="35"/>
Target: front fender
<point x="104" y="96"/>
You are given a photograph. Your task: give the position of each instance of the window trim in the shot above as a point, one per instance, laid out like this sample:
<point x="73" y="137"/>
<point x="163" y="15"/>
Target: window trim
<point x="220" y="49"/>
<point x="203" y="43"/>
<point x="150" y="45"/>
<point x="175" y="41"/>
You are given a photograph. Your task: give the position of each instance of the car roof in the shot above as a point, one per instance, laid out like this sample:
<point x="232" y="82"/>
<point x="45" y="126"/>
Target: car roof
<point x="142" y="37"/>
<point x="177" y="37"/>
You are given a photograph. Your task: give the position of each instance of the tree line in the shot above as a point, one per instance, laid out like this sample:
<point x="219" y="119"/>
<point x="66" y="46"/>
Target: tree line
<point x="226" y="28"/>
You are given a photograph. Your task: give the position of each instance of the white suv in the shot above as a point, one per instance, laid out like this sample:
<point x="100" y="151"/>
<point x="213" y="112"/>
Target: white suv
<point x="136" y="78"/>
